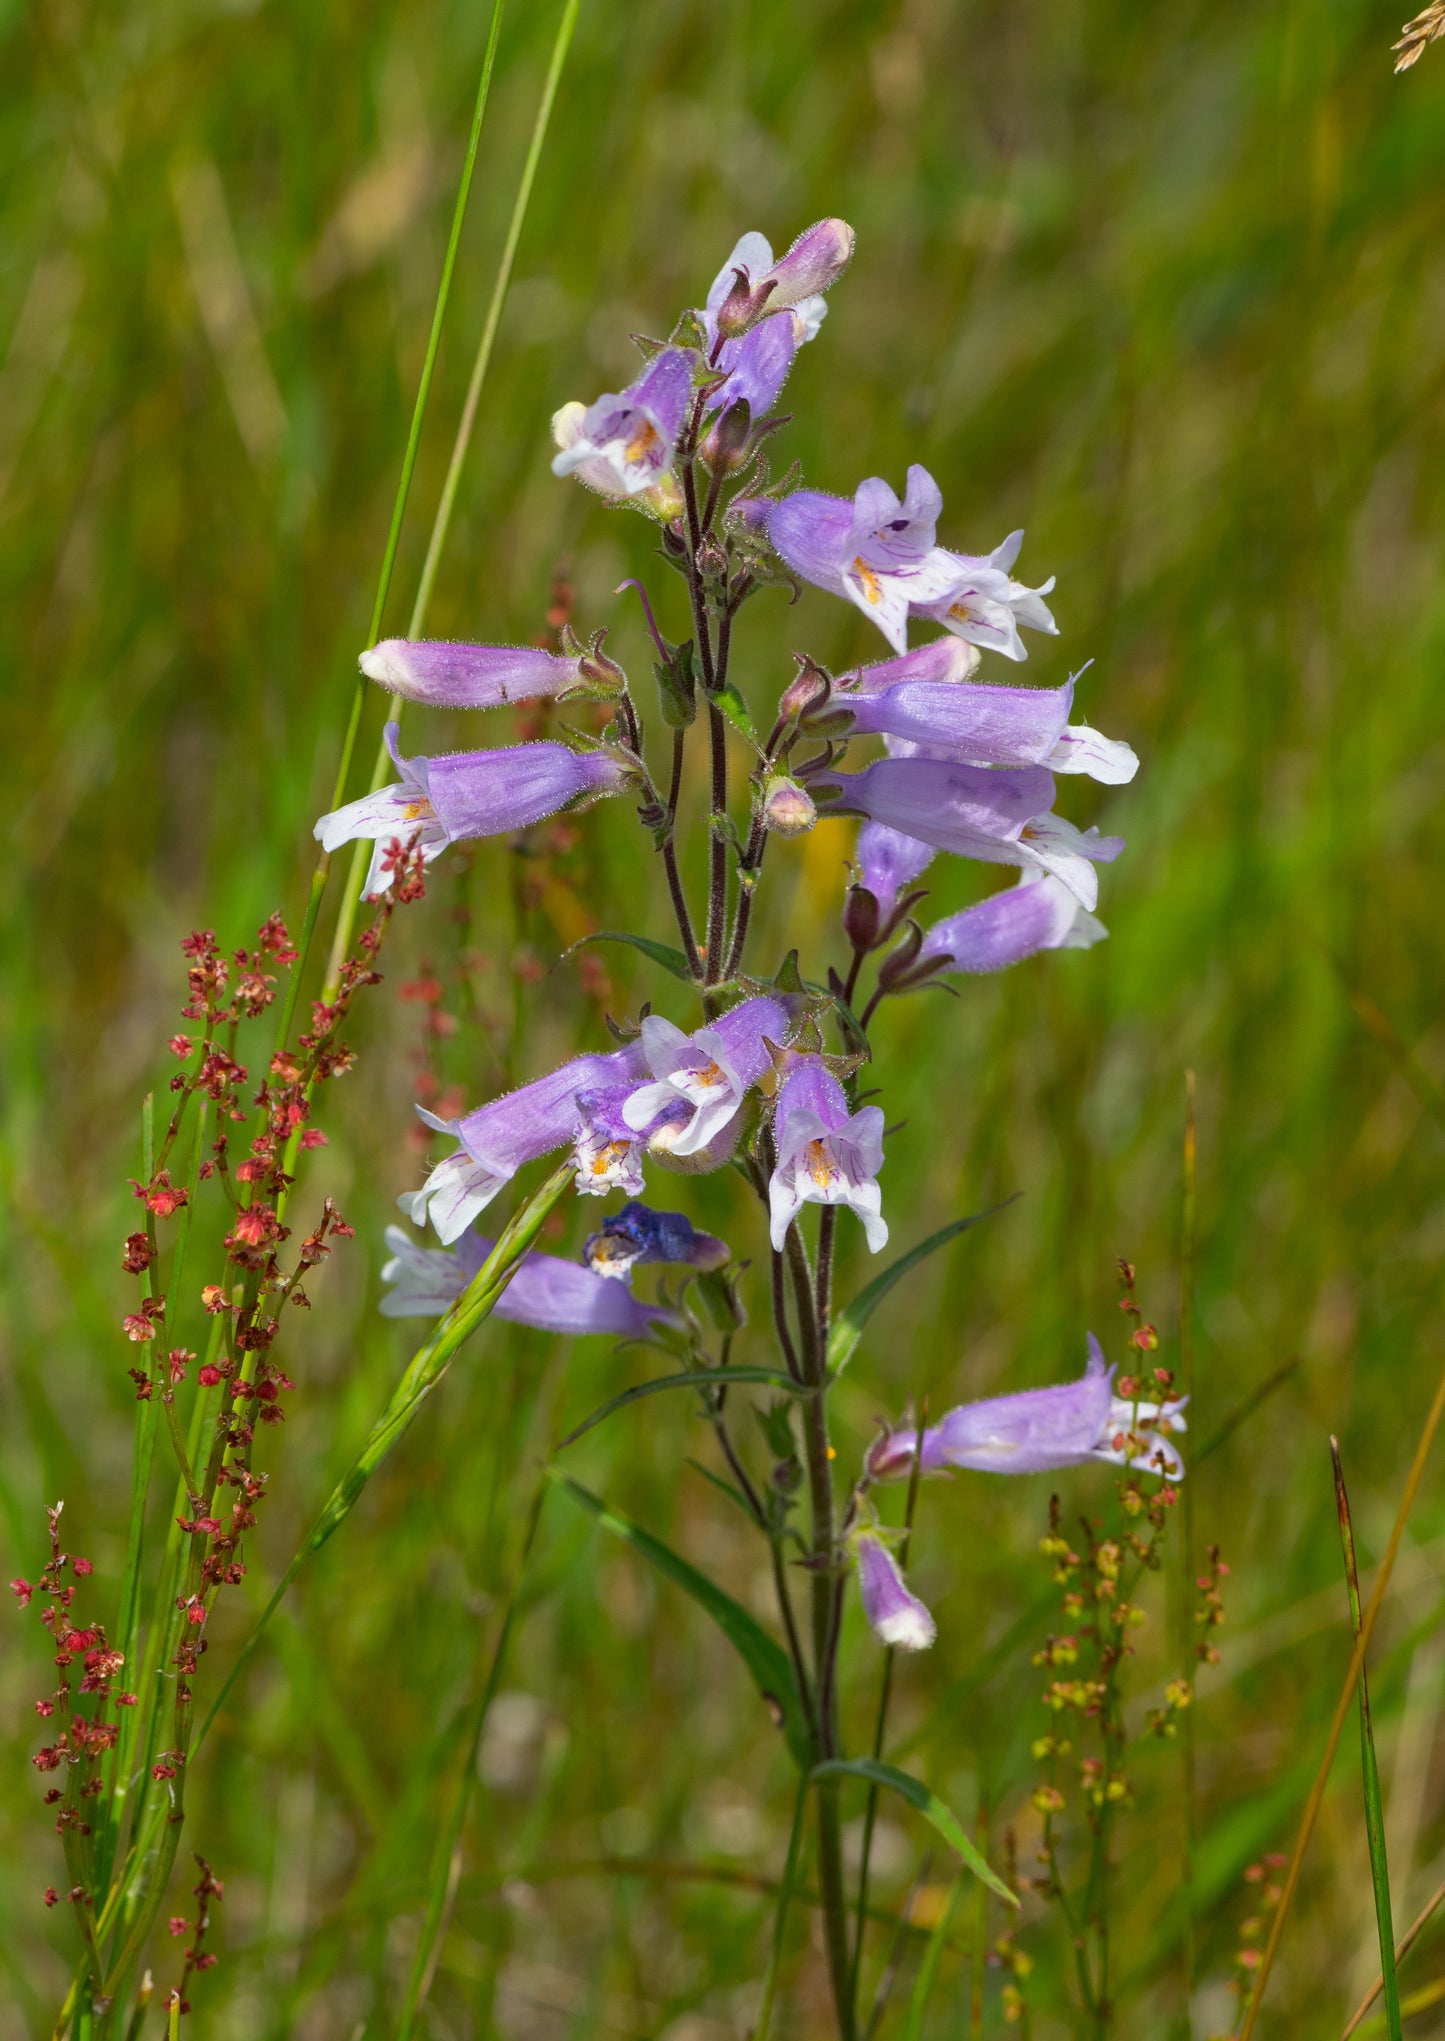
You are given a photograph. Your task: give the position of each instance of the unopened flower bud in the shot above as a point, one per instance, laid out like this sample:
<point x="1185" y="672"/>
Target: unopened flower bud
<point x="725" y="449"/>
<point x="816" y="259"/>
<point x="809" y="690"/>
<point x="788" y="809"/>
<point x="861" y="918"/>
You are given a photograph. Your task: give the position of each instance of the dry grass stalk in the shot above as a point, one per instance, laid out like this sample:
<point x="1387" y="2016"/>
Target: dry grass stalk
<point x="1427" y="27"/>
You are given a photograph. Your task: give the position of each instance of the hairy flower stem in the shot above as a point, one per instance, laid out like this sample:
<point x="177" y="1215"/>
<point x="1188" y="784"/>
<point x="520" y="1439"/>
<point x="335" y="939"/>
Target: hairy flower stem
<point x="669" y="855"/>
<point x="880" y="1725"/>
<point x="818" y="1455"/>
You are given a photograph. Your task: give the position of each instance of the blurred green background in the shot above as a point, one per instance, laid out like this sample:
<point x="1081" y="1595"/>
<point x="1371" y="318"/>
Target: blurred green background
<point x="1163" y="285"/>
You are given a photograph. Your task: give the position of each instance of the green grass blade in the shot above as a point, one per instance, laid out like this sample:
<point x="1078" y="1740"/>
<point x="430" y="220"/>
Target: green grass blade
<point x="1370" y="1770"/>
<point x="441" y="523"/>
<point x="398" y="515"/>
<point x="442" y="1881"/>
<point x="425" y="1369"/>
<point x="928" y="1805"/>
<point x="764" y="1657"/>
<point x="695" y="1378"/>
<point x="780" y="1912"/>
<point x="927" y="1978"/>
<point x="849" y="1324"/>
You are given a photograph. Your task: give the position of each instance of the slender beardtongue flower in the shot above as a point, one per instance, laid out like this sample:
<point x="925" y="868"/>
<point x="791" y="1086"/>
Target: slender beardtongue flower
<point x="1038" y="1430"/>
<point x="639" y="1234"/>
<point x="998" y="815"/>
<point x="609" y="1152"/>
<point x="448" y="676"/>
<point x="546" y="1292"/>
<point x="895" y="1614"/>
<point x="462" y="794"/>
<point x="986" y="606"/>
<point x="978" y="724"/>
<point x="497" y="1139"/>
<point x="1038" y="913"/>
<point x="876" y="551"/>
<point x="826" y="1155"/>
<point x="712" y="1070"/>
<point x="623" y="444"/>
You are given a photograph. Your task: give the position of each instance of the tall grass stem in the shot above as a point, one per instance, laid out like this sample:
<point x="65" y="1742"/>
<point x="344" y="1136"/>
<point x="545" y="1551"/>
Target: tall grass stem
<point x="1369" y="1768"/>
<point x="461" y="444"/>
<point x="1357" y="1659"/>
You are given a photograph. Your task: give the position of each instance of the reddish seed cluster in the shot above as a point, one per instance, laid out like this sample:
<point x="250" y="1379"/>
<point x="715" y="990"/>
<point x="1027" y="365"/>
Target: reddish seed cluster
<point x="1265" y="1897"/>
<point x="86" y="1665"/>
<point x="223" y="995"/>
<point x="1210" y="1612"/>
<point x="196" y="1958"/>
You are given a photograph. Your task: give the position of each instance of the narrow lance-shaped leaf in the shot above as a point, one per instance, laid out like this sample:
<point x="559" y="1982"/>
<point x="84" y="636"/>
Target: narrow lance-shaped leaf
<point x="929" y="1806"/>
<point x="848" y="1325"/>
<point x="764" y="1657"/>
<point x="695" y="1378"/>
<point x="670" y="959"/>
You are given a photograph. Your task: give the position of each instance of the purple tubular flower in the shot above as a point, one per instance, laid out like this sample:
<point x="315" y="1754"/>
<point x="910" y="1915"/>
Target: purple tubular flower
<point x="712" y="1071"/>
<point x="497" y="1139"/>
<point x="889" y="862"/>
<point x="985" y="725"/>
<point x="630" y="435"/>
<point x="826" y="1155"/>
<point x="941" y="659"/>
<point x="546" y="1292"/>
<point x="986" y="606"/>
<point x="1001" y="816"/>
<point x="1038" y="913"/>
<point x="758" y="364"/>
<point x="639" y="1234"/>
<point x="461" y="794"/>
<point x="876" y="551"/>
<point x="895" y="1615"/>
<point x="448" y="676"/>
<point x="1039" y="1430"/>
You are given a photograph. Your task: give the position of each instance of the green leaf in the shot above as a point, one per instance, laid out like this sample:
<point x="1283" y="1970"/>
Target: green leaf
<point x="929" y="1806"/>
<point x="695" y="1378"/>
<point x="764" y="1657"/>
<point x="670" y="959"/>
<point x="736" y="710"/>
<point x="848" y="1325"/>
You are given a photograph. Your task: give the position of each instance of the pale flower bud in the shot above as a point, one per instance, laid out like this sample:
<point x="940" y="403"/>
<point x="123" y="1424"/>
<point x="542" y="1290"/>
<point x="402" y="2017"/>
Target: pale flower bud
<point x="788" y="809"/>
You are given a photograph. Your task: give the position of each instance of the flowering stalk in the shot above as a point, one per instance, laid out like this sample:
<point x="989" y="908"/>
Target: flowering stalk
<point x="764" y="1075"/>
